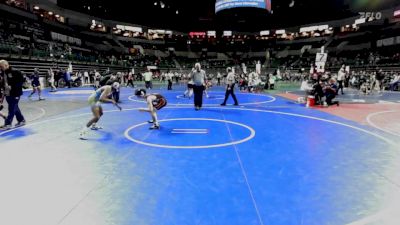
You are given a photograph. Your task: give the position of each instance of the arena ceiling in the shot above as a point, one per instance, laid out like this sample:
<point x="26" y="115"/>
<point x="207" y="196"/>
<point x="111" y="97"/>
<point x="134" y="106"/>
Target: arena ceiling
<point x="191" y="15"/>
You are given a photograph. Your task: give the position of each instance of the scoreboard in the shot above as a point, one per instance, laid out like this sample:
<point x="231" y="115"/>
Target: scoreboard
<point x="229" y="4"/>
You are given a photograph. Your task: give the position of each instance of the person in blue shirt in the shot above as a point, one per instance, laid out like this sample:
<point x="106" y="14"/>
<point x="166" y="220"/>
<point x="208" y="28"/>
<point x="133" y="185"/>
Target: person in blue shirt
<point x="330" y="92"/>
<point x="35" y="84"/>
<point x="68" y="78"/>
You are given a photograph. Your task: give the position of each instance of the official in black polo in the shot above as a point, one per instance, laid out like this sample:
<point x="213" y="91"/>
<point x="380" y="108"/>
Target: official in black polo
<point x="13" y="82"/>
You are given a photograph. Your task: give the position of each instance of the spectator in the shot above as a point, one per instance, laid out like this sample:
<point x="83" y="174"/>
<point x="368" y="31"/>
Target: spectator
<point x="130" y="79"/>
<point x="148" y="77"/>
<point x="395" y="82"/>
<point x="97" y="78"/>
<point x="86" y="78"/>
<point x="341" y="77"/>
<point x="51" y="80"/>
<point x="169" y="76"/>
<point x="219" y="76"/>
<point x="331" y="92"/>
<point x="67" y="77"/>
<point x="379" y="80"/>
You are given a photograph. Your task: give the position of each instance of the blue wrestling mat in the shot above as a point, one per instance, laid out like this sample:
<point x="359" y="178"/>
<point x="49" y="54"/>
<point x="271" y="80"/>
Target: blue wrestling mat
<point x="267" y="161"/>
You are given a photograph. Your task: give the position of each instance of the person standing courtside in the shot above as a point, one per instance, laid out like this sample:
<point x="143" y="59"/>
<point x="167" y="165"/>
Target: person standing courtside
<point x="230" y="87"/>
<point x="13" y="82"/>
<point x="169" y="75"/>
<point x="148" y="77"/>
<point x="130" y="80"/>
<point x="198" y="77"/>
<point x="341" y="77"/>
<point x="51" y="79"/>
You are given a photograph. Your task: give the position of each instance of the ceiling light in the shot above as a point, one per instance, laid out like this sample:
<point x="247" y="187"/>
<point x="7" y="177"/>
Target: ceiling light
<point x="50" y="13"/>
<point x="57" y="16"/>
<point x="36" y="7"/>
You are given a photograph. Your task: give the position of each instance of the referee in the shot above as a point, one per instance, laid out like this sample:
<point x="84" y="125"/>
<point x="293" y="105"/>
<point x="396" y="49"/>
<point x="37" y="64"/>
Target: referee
<point x="13" y="82"/>
<point x="198" y="77"/>
<point x="230" y="87"/>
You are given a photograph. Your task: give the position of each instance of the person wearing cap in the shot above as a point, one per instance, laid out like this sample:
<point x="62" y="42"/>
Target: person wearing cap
<point x="101" y="95"/>
<point x="198" y="77"/>
<point x="13" y="81"/>
<point x="230" y="87"/>
<point x="155" y="102"/>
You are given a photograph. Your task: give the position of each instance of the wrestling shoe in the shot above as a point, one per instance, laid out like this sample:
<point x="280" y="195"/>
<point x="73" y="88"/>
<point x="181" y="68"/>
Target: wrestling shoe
<point x="82" y="136"/>
<point x="155" y="127"/>
<point x="5" y="127"/>
<point x="20" y="124"/>
<point x="95" y="127"/>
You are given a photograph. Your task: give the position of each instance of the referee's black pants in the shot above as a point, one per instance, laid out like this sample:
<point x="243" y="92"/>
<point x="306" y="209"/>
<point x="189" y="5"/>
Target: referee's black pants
<point x="230" y="91"/>
<point x="13" y="110"/>
<point x="169" y="84"/>
<point x="340" y="86"/>
<point x="198" y="95"/>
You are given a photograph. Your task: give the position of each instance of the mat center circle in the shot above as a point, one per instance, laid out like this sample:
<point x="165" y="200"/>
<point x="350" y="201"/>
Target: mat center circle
<point x="191" y="133"/>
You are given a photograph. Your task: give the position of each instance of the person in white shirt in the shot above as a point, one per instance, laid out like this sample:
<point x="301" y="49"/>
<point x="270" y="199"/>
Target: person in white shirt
<point x="219" y="76"/>
<point x="271" y="81"/>
<point x="198" y="77"/>
<point x="252" y="81"/>
<point x="169" y="77"/>
<point x="256" y="81"/>
<point x="97" y="78"/>
<point x="148" y="77"/>
<point x="52" y="80"/>
<point x="340" y="78"/>
<point x="86" y="78"/>
<point x="230" y="87"/>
